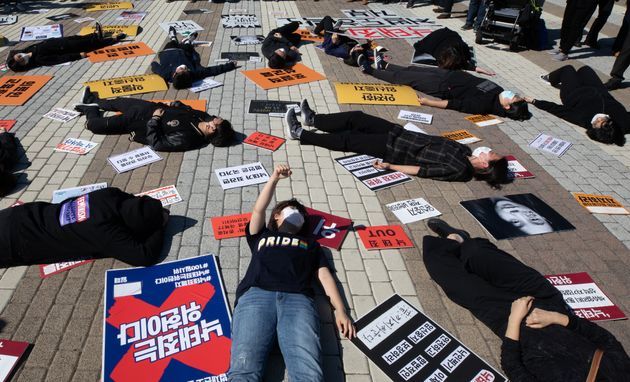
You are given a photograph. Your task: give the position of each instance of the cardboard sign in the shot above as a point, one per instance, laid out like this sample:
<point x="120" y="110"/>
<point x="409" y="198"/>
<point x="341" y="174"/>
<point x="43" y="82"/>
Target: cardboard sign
<point x="585" y="298"/>
<point x="7" y="124"/>
<point x="241" y="176"/>
<point x="247" y="40"/>
<point x="600" y="204"/>
<point x="129" y="30"/>
<point x="483" y="120"/>
<point x="16" y="90"/>
<point x="166" y="195"/>
<point x="407" y="345"/>
<point x="384" y="237"/>
<point x="265" y="141"/>
<point x="272" y="108"/>
<point x="362" y="167"/>
<point x="168" y="322"/>
<point x="238" y="56"/>
<point x="462" y="136"/>
<point x="376" y="94"/>
<point x="267" y="78"/>
<point x="415" y="117"/>
<point x="133" y="159"/>
<point x="197" y="104"/>
<point x="75" y="146"/>
<point x="63" y="16"/>
<point x="62" y="115"/>
<point x="204" y="84"/>
<point x="199" y="11"/>
<point x="10" y="354"/>
<point x="240" y="21"/>
<point x="516" y="170"/>
<point x="412" y="210"/>
<point x="226" y="227"/>
<point x="124" y="86"/>
<point x="69" y="193"/>
<point x="8" y="19"/>
<point x="183" y="27"/>
<point x="41" y="32"/>
<point x="306" y="35"/>
<point x="117" y="52"/>
<point x="47" y="270"/>
<point x="328" y="230"/>
<point x="550" y="144"/>
<point x="108" y="6"/>
<point x="132" y="16"/>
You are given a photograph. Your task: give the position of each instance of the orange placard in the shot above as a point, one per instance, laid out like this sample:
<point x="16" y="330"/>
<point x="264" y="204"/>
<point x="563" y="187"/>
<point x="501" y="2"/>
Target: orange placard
<point x="306" y="35"/>
<point x="462" y="136"/>
<point x="117" y="52"/>
<point x="225" y="227"/>
<point x="275" y="78"/>
<point x="600" y="204"/>
<point x="266" y="141"/>
<point x="385" y="237"/>
<point x="7" y="124"/>
<point x="16" y="90"/>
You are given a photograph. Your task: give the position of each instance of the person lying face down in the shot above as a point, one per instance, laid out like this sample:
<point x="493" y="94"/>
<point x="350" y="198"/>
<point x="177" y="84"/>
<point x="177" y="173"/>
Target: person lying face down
<point x="280" y="46"/>
<point x="412" y="153"/>
<point x="103" y="223"/>
<point x="174" y="127"/>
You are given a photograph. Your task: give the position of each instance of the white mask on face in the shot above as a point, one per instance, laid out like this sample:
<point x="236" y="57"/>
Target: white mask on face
<point x="292" y="220"/>
<point x="507" y="95"/>
<point x="481" y="150"/>
<point x="181" y="67"/>
<point x="24" y="56"/>
<point x="599" y="115"/>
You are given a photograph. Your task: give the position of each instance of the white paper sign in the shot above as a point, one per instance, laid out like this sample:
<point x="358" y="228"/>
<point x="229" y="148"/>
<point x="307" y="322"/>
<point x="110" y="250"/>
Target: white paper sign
<point x="75" y="146"/>
<point x="412" y="210"/>
<point x="68" y="193"/>
<point x="62" y="115"/>
<point x="240" y="21"/>
<point x="415" y="117"/>
<point x="550" y="144"/>
<point x="205" y="84"/>
<point x="413" y="128"/>
<point x="243" y="175"/>
<point x="41" y="32"/>
<point x="8" y="20"/>
<point x="384" y="325"/>
<point x="133" y="159"/>
<point x="132" y="16"/>
<point x="83" y="19"/>
<point x="183" y="27"/>
<point x="166" y="195"/>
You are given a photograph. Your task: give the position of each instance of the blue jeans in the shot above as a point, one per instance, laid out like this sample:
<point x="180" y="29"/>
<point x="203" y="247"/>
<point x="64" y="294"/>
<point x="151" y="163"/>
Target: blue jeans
<point x="476" y="11"/>
<point x="259" y="317"/>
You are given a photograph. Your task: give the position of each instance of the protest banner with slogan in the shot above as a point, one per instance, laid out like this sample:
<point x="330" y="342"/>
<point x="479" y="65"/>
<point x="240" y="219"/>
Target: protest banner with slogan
<point x="10" y="354"/>
<point x="204" y="84"/>
<point x="7" y="124"/>
<point x="168" y="322"/>
<point x="226" y="227"/>
<point x="123" y="86"/>
<point x="306" y="35"/>
<point x="41" y="32"/>
<point x="75" y="146"/>
<point x="412" y="210"/>
<point x="265" y="141"/>
<point x="415" y="117"/>
<point x="272" y="108"/>
<point x="374" y="22"/>
<point x="68" y="193"/>
<point x="267" y="78"/>
<point x="241" y="176"/>
<point x="109" y="6"/>
<point x="183" y="27"/>
<point x="117" y="52"/>
<point x="389" y="32"/>
<point x="585" y="298"/>
<point x="483" y="120"/>
<point x="376" y="94"/>
<point x="407" y="345"/>
<point x="62" y="115"/>
<point x="47" y="270"/>
<point x="238" y="56"/>
<point x="600" y="204"/>
<point x="132" y="16"/>
<point x="8" y="19"/>
<point x="240" y="21"/>
<point x="133" y="159"/>
<point x="384" y="237"/>
<point x="166" y="195"/>
<point x="16" y="90"/>
<point x="361" y="166"/>
<point x="329" y="230"/>
<point x="516" y="170"/>
<point x="550" y="144"/>
<point x="462" y="136"/>
<point x="63" y="16"/>
<point x="247" y="40"/>
<point x="129" y="30"/>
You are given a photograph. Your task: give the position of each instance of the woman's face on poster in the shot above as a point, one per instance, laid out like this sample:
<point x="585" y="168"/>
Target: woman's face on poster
<point x="522" y="217"/>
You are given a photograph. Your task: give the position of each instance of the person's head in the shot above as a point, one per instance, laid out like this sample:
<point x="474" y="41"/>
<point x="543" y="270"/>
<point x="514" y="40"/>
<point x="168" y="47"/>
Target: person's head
<point x="278" y="60"/>
<point x="218" y="131"/>
<point x="18" y="62"/>
<point x="142" y="215"/>
<point x="521" y="217"/>
<point x="452" y="58"/>
<point x="490" y="167"/>
<point x="182" y="78"/>
<point x="514" y="105"/>
<point x="8" y="182"/>
<point x="603" y="130"/>
<point x="288" y="216"/>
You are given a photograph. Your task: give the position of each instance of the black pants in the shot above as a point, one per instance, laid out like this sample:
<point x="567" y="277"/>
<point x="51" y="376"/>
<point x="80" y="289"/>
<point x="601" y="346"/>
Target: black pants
<point x="605" y="9"/>
<point x="6" y="258"/>
<point x="87" y="43"/>
<point x="447" y="5"/>
<point x="622" y="36"/>
<point x="486" y="280"/>
<point x="427" y="80"/>
<point x="352" y="131"/>
<point x="576" y="14"/>
<point x="569" y="79"/>
<point x="623" y="60"/>
<point x="135" y="115"/>
<point x="287" y="32"/>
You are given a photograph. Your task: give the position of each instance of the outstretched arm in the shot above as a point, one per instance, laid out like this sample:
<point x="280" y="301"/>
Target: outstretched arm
<point x="343" y="322"/>
<point x="442" y="104"/>
<point x="257" y="221"/>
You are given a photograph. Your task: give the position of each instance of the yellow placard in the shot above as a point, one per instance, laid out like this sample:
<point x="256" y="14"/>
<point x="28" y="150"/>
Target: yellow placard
<point x="109" y="6"/>
<point x="461" y="136"/>
<point x="16" y="90"/>
<point x="600" y="204"/>
<point x="376" y="94"/>
<point x="123" y="86"/>
<point x="129" y="30"/>
<point x="117" y="52"/>
<point x="275" y="78"/>
<point x="483" y="120"/>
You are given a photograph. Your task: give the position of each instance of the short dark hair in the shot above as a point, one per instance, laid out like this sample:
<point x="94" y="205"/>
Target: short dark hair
<point x="518" y="111"/>
<point x="8" y="182"/>
<point x="182" y="80"/>
<point x="273" y="226"/>
<point x="223" y="135"/>
<point x="14" y="65"/>
<point x="453" y="58"/>
<point x="277" y="62"/>
<point x="607" y="134"/>
<point x="496" y="174"/>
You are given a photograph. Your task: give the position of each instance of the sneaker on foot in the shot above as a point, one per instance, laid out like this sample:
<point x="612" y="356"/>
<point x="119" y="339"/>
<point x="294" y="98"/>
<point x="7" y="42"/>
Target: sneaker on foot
<point x="121" y="36"/>
<point x="308" y="114"/>
<point x="293" y="126"/>
<point x="338" y="24"/>
<point x="364" y="64"/>
<point x="613" y="84"/>
<point x="172" y="33"/>
<point x="545" y="78"/>
<point x="439" y="10"/>
<point x="88" y="98"/>
<point x="192" y="37"/>
<point x="442" y="228"/>
<point x="467" y="27"/>
<point x="560" y="57"/>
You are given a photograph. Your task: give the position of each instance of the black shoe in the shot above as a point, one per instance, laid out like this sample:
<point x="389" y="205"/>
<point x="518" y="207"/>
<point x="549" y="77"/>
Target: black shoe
<point x="293" y="126"/>
<point x="613" y="84"/>
<point x="439" y="10"/>
<point x="364" y="64"/>
<point x="592" y="44"/>
<point x="444" y="16"/>
<point x="99" y="30"/>
<point x="88" y="98"/>
<point x="442" y="228"/>
<point x="88" y="111"/>
<point x="467" y="27"/>
<point x="410" y="4"/>
<point x="307" y="113"/>
<point x="121" y="36"/>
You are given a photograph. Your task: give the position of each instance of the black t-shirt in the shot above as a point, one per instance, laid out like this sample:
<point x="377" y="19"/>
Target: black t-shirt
<point x="282" y="262"/>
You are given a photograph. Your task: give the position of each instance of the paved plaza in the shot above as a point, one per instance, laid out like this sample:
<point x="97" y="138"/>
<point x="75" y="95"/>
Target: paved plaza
<point x="63" y="315"/>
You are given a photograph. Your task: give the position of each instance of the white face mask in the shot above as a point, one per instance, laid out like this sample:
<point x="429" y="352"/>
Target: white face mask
<point x="181" y="67"/>
<point x="24" y="56"/>
<point x="597" y="116"/>
<point x="481" y="150"/>
<point x="507" y="95"/>
<point x="292" y="220"/>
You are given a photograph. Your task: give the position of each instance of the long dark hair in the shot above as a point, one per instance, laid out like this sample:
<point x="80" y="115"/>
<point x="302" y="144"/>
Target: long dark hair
<point x="13" y="65"/>
<point x="496" y="174"/>
<point x="273" y="225"/>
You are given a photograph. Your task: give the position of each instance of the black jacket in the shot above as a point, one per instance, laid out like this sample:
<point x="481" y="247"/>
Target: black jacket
<point x="271" y="43"/>
<point x="471" y="94"/>
<point x="8" y="151"/>
<point x="439" y="40"/>
<point x="170" y="59"/>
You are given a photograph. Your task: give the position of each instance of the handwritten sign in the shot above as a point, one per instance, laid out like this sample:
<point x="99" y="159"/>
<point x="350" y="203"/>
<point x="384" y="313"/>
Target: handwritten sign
<point x="376" y="94"/>
<point x="123" y="86"/>
<point x="329" y="230"/>
<point x="129" y="30"/>
<point x="415" y="117"/>
<point x="47" y="270"/>
<point x="267" y="78"/>
<point x="556" y="146"/>
<point x="240" y="21"/>
<point x="362" y="167"/>
<point x="16" y="90"/>
<point x="600" y="204"/>
<point x="75" y="146"/>
<point x="166" y="195"/>
<point x="109" y="6"/>
<point x="412" y="210"/>
<point x="62" y="115"/>
<point x="117" y="52"/>
<point x="68" y="193"/>
<point x="241" y="176"/>
<point x="265" y="141"/>
<point x="41" y="32"/>
<point x="225" y="227"/>
<point x="516" y="170"/>
<point x="462" y="136"/>
<point x="384" y="237"/>
<point x="483" y="120"/>
<point x="133" y="159"/>
<point x="183" y="27"/>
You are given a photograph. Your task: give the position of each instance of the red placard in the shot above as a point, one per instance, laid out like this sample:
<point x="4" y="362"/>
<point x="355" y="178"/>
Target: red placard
<point x="7" y="124"/>
<point x="329" y="230"/>
<point x="225" y="227"/>
<point x="10" y="354"/>
<point x="266" y="141"/>
<point x="516" y="169"/>
<point x="385" y="237"/>
<point x="47" y="270"/>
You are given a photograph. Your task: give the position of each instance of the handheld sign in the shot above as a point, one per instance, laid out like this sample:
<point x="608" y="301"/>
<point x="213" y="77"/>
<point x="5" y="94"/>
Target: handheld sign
<point x="241" y="176"/>
<point x="133" y="159"/>
<point x="362" y="167"/>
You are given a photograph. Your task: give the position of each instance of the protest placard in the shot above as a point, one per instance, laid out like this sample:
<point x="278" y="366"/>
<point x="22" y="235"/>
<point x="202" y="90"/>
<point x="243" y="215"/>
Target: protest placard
<point x="16" y="90"/>
<point x="362" y="167"/>
<point x="183" y="27"/>
<point x="132" y="16"/>
<point x="376" y="94"/>
<point x="123" y="86"/>
<point x="75" y="146"/>
<point x="516" y="170"/>
<point x="415" y="117"/>
<point x="585" y="298"/>
<point x="265" y="141"/>
<point x="63" y="16"/>
<point x="69" y="193"/>
<point x="241" y="176"/>
<point x="166" y="195"/>
<point x="117" y="52"/>
<point x="62" y="115"/>
<point x="238" y="56"/>
<point x="240" y="21"/>
<point x="384" y="237"/>
<point x="133" y="159"/>
<point x="272" y="108"/>
<point x="388" y="24"/>
<point x="47" y="270"/>
<point x="407" y="345"/>
<point x="167" y="322"/>
<point x="267" y="78"/>
<point x="82" y="20"/>
<point x="129" y="30"/>
<point x="247" y="40"/>
<point x="225" y="227"/>
<point x="204" y="84"/>
<point x="10" y="354"/>
<point x="483" y="120"/>
<point x="412" y="210"/>
<point x="328" y="230"/>
<point x="462" y="136"/>
<point x="600" y="204"/>
<point x="7" y="124"/>
<point x="41" y="32"/>
<point x="8" y="19"/>
<point x="199" y="11"/>
<point x="109" y="6"/>
<point x="306" y="35"/>
<point x="550" y="144"/>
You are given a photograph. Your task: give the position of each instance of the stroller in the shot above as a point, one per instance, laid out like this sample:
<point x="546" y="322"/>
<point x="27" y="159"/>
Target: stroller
<point x="512" y="21"/>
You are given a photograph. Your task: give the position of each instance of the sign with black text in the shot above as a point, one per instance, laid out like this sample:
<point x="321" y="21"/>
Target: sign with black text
<point x="10" y="354"/>
<point x="241" y="176"/>
<point x="41" y="32"/>
<point x="362" y="167"/>
<point x="240" y="21"/>
<point x="273" y="108"/>
<point x="133" y="159"/>
<point x="238" y="56"/>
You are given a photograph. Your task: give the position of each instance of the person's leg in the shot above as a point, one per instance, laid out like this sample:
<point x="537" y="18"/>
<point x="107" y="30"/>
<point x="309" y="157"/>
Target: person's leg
<point x="623" y="61"/>
<point x="447" y="5"/>
<point x="114" y="125"/>
<point x="605" y="9"/>
<point x="325" y="25"/>
<point x="287" y="28"/>
<point x="360" y="143"/>
<point x="473" y="9"/>
<point x="352" y="122"/>
<point x="298" y="336"/>
<point x="253" y="331"/>
<point x="566" y="77"/>
<point x="426" y="80"/>
<point x="583" y="10"/>
<point x="172" y="45"/>
<point x="126" y="105"/>
<point x="588" y="77"/>
<point x="481" y="13"/>
<point x="567" y="29"/>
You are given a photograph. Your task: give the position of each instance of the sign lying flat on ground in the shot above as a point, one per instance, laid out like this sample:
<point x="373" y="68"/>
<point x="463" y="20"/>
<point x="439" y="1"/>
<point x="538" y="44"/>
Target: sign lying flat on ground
<point x="132" y="16"/>
<point x="241" y="176"/>
<point x="133" y="159"/>
<point x="412" y="210"/>
<point x="10" y="354"/>
<point x="556" y="146"/>
<point x="63" y="16"/>
<point x="483" y="120"/>
<point x="166" y="195"/>
<point x="204" y="84"/>
<point x="462" y="136"/>
<point x="109" y="6"/>
<point x="75" y="146"/>
<point x="585" y="298"/>
<point x="16" y="90"/>
<point x="8" y="19"/>
<point x="183" y="27"/>
<point x="306" y="35"/>
<point x="123" y="86"/>
<point x="389" y="32"/>
<point x="409" y="346"/>
<point x="199" y="11"/>
<point x="82" y="20"/>
<point x="267" y="78"/>
<point x="167" y="322"/>
<point x="61" y="115"/>
<point x="225" y="227"/>
<point x="367" y="22"/>
<point x="376" y="94"/>
<point x="247" y="40"/>
<point x="68" y="193"/>
<point x="384" y="237"/>
<point x="129" y="30"/>
<point x="47" y="270"/>
<point x="239" y="56"/>
<point x="240" y="21"/>
<point x="329" y="230"/>
<point x="7" y="124"/>
<point x="362" y="167"/>
<point x="516" y="170"/>
<point x="415" y="117"/>
<point x="117" y="52"/>
<point x="197" y="104"/>
<point x="265" y="141"/>
<point x="272" y="108"/>
<point x="600" y="204"/>
<point x="41" y="32"/>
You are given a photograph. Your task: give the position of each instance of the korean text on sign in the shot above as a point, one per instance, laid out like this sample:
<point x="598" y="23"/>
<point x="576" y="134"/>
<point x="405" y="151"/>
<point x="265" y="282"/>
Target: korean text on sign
<point x="16" y="90"/>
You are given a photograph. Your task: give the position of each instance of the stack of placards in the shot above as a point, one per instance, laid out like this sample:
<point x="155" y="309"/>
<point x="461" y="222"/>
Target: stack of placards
<point x="362" y="167"/>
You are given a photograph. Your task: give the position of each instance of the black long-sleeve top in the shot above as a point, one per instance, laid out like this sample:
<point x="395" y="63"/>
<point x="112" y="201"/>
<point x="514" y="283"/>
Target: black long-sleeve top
<point x="472" y="94"/>
<point x="170" y="59"/>
<point x="8" y="151"/>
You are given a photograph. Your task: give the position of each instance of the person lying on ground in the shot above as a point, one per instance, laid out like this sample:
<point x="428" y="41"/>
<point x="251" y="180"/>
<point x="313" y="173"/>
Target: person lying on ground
<point x="181" y="64"/>
<point x="8" y="159"/>
<point x="336" y="44"/>
<point x="174" y="127"/>
<point x="412" y="153"/>
<point x="275" y="297"/>
<point x="280" y="46"/>
<point x="103" y="223"/>
<point x="542" y="339"/>
<point x="587" y="103"/>
<point x="54" y="51"/>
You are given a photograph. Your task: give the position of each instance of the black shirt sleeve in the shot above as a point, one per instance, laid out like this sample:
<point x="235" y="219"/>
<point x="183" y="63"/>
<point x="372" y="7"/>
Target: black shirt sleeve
<point x="599" y="336"/>
<point x="252" y="240"/>
<point x="512" y="364"/>
<point x="561" y="111"/>
<point x="322" y="261"/>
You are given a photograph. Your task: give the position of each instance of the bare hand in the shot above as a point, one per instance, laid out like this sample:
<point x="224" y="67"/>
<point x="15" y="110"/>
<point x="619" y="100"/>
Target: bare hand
<point x="83" y="55"/>
<point x="520" y="307"/>
<point x="484" y="71"/>
<point x="381" y="165"/>
<point x="295" y="49"/>
<point x="540" y="318"/>
<point x="2" y="130"/>
<point x="277" y="35"/>
<point x="344" y="324"/>
<point x="422" y="100"/>
<point x="281" y="171"/>
<point x="158" y="113"/>
<point x="528" y="99"/>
